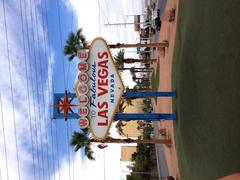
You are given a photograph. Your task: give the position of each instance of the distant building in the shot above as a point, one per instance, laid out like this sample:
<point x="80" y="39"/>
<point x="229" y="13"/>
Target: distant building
<point x="126" y="152"/>
<point x="131" y="129"/>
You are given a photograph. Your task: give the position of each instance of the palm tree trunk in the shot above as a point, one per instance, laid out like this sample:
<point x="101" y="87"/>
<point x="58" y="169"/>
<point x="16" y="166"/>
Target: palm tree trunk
<point x="145" y="116"/>
<point x="119" y="45"/>
<point x="132" y="60"/>
<point x="143" y="79"/>
<point x="129" y="140"/>
<point x="144" y="141"/>
<point x="145" y="89"/>
<point x="136" y="71"/>
<point x="133" y="68"/>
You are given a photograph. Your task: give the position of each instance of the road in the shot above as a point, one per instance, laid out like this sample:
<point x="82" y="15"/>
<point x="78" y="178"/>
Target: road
<point x="161" y="161"/>
<point x="161" y="4"/>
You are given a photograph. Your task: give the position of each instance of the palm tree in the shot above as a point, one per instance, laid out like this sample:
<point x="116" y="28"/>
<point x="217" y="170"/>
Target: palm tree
<point x="142" y="79"/>
<point x="132" y="60"/>
<point x="78" y="41"/>
<point x="136" y="69"/>
<point x="120" y="124"/>
<point x="120" y="57"/>
<point x="131" y="90"/>
<point x="119" y="60"/>
<point x="151" y="45"/>
<point x="142" y="88"/>
<point x="74" y="43"/>
<point x="81" y="140"/>
<point x="147" y="105"/>
<point x="138" y="88"/>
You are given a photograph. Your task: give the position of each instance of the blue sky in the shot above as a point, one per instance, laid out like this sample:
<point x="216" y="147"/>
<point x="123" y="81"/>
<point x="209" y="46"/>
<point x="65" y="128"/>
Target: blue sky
<point x="32" y="68"/>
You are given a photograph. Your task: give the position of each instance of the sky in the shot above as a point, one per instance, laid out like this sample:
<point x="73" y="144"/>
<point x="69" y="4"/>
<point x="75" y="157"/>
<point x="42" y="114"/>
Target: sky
<point x="33" y="67"/>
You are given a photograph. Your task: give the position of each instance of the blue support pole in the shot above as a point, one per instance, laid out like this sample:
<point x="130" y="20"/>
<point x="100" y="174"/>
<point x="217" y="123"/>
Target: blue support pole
<point x="148" y="94"/>
<point x="145" y="116"/>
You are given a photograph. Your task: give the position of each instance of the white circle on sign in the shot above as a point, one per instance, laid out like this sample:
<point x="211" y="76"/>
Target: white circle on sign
<point x="83" y="77"/>
<point x="83" y="111"/>
<point x="82" y="54"/>
<point x="83" y="123"/>
<point x="83" y="100"/>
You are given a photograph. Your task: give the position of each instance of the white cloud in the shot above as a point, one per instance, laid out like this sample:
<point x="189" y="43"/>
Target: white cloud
<point x="87" y="13"/>
<point x="19" y="80"/>
<point x="86" y="169"/>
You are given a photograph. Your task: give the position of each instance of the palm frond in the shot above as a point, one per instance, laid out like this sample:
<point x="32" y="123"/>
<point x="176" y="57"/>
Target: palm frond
<point x="119" y="59"/>
<point x="82" y="42"/>
<point x="71" y="39"/>
<point x="71" y="57"/>
<point x="134" y="77"/>
<point x="79" y="32"/>
<point x="119" y="125"/>
<point x="78" y="139"/>
<point x="85" y="130"/>
<point x="69" y="49"/>
<point x="129" y="101"/>
<point x="132" y="71"/>
<point x="74" y="42"/>
<point x="89" y="152"/>
<point x="81" y="140"/>
<point x="77" y="147"/>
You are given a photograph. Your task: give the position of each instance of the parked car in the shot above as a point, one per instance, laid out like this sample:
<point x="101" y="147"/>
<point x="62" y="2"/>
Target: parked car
<point x="156" y="21"/>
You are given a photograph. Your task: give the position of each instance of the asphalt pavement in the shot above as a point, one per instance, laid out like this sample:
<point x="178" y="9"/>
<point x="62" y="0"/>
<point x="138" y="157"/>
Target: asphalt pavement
<point x="161" y="160"/>
<point x="161" y="4"/>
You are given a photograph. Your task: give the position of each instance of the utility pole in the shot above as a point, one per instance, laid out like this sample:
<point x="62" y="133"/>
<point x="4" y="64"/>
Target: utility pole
<point x="126" y="23"/>
<point x="129" y="23"/>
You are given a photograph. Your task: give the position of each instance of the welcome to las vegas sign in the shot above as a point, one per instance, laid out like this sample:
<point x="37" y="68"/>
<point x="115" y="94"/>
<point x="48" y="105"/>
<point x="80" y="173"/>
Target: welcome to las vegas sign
<point x="99" y="88"/>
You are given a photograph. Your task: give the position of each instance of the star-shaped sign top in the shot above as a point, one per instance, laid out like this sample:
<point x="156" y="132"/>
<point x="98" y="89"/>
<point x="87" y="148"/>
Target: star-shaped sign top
<point x="65" y="105"/>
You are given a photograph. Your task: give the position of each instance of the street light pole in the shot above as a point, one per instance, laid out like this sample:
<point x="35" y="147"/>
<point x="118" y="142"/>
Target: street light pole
<point x="125" y="23"/>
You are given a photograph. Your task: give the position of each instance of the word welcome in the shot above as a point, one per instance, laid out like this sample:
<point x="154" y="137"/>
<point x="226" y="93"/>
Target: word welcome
<point x="99" y="89"/>
<point x="93" y="91"/>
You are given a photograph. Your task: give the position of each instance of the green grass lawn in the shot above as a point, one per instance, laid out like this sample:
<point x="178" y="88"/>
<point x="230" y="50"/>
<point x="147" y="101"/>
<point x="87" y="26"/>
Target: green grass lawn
<point x="206" y="77"/>
<point x="155" y="79"/>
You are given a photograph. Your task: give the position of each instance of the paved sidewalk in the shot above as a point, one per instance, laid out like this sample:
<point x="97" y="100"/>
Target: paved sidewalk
<point x="161" y="160"/>
<point x="166" y="156"/>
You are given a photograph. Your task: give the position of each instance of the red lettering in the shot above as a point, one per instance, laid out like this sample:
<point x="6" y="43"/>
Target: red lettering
<point x="102" y="82"/>
<point x="83" y="88"/>
<point x="103" y="113"/>
<point x="103" y="64"/>
<point x="103" y="123"/>
<point x="83" y="111"/>
<point x="83" y="100"/>
<point x="100" y="56"/>
<point x="83" y="123"/>
<point x="83" y="66"/>
<point x="102" y="91"/>
<point x="82" y="55"/>
<point x="102" y="73"/>
<point x="100" y="106"/>
<point x="83" y="77"/>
